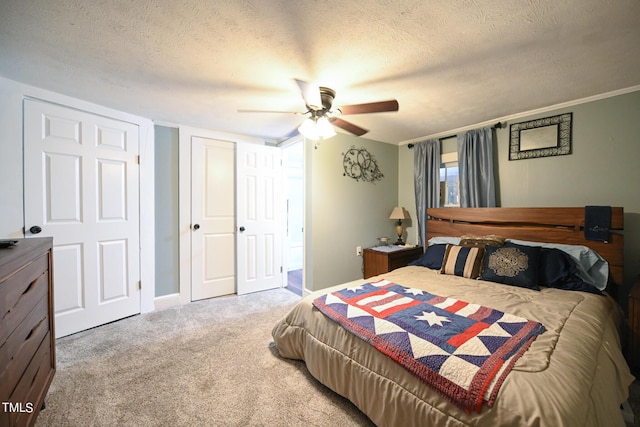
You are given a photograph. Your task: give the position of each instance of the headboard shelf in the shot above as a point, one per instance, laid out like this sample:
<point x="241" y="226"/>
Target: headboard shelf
<point x="549" y="225"/>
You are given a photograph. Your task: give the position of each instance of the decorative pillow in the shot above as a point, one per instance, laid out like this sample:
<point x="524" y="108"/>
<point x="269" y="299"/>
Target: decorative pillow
<point x="432" y="258"/>
<point x="482" y="241"/>
<point x="592" y="268"/>
<point x="557" y="269"/>
<point x="512" y="264"/>
<point x="462" y="261"/>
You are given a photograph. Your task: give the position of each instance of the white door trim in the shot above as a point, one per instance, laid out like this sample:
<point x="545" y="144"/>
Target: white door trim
<point x="285" y="241"/>
<point x="185" y="133"/>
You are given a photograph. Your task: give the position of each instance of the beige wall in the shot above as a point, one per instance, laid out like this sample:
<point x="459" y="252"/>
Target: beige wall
<point x="603" y="169"/>
<point x="344" y="213"/>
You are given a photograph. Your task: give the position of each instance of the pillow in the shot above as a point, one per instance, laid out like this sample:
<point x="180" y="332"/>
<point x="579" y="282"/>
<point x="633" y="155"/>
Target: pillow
<point x="592" y="268"/>
<point x="557" y="269"/>
<point x="512" y="264"/>
<point x="432" y="257"/>
<point x="444" y="240"/>
<point x="462" y="261"/>
<point x="488" y="240"/>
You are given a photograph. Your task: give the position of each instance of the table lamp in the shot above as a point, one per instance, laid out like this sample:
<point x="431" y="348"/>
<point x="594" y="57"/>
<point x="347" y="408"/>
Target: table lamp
<point x="399" y="214"/>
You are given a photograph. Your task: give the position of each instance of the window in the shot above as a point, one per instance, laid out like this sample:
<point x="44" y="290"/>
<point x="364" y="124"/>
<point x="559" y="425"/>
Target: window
<point x="449" y="180"/>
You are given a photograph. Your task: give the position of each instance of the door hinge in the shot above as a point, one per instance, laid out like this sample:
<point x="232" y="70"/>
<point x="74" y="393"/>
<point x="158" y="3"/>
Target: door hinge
<point x="138" y="158"/>
<point x="139" y="284"/>
<point x="281" y="269"/>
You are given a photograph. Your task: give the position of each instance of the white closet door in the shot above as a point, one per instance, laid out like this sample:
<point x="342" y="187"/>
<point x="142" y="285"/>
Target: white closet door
<point x="259" y="210"/>
<point x="212" y="218"/>
<point x="81" y="187"/>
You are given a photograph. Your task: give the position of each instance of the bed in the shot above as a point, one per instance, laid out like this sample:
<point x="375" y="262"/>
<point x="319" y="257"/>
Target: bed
<point x="568" y="369"/>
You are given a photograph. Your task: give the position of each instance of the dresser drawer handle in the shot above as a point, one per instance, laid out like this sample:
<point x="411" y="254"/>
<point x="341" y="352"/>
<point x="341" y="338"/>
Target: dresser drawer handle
<point x="35" y="328"/>
<point x="29" y="287"/>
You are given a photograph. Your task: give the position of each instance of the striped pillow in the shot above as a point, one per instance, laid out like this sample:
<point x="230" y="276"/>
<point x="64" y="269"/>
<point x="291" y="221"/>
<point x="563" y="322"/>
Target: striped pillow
<point x="463" y="261"/>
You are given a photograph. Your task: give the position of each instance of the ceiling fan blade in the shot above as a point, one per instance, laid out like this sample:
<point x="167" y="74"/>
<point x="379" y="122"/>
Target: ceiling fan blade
<point x="269" y="111"/>
<point x="311" y="94"/>
<point x="349" y="127"/>
<point x="372" y="107"/>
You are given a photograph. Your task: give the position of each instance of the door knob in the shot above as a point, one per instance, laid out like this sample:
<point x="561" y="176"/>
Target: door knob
<point x="35" y="229"/>
<point x="196" y="226"/>
<point x="241" y="229"/>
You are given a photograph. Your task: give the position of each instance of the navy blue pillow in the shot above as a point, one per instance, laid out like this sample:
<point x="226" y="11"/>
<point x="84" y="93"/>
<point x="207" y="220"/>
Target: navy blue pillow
<point x="558" y="270"/>
<point x="432" y="258"/>
<point x="512" y="264"/>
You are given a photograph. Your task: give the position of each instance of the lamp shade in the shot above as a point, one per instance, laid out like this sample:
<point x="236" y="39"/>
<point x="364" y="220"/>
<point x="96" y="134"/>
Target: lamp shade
<point x="399" y="213"/>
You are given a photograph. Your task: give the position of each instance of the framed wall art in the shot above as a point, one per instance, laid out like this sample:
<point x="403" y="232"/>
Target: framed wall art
<point x="546" y="137"/>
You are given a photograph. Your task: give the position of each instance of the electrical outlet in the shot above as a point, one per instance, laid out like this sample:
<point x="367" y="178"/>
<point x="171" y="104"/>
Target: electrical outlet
<point x="359" y="250"/>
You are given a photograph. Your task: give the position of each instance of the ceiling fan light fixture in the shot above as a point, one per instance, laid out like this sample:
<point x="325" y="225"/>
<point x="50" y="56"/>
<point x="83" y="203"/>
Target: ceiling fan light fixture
<point x="325" y="129"/>
<point x="316" y="128"/>
<point x="308" y="129"/>
<point x="321" y="118"/>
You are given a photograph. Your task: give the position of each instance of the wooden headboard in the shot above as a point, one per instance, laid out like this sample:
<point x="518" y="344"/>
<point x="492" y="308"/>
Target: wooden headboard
<point x="550" y="225"/>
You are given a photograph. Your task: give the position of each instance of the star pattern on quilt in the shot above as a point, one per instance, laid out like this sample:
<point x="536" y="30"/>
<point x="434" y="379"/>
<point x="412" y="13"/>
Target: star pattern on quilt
<point x="432" y="318"/>
<point x="463" y="350"/>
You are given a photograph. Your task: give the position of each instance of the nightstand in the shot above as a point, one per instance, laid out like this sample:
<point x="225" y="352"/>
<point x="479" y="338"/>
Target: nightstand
<point x="387" y="259"/>
<point x="634" y="328"/>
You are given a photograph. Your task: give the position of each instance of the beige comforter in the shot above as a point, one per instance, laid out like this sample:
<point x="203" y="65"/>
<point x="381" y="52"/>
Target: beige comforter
<point x="572" y="375"/>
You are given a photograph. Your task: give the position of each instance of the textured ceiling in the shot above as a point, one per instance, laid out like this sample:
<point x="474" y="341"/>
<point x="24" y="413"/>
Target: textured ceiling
<point x="450" y="64"/>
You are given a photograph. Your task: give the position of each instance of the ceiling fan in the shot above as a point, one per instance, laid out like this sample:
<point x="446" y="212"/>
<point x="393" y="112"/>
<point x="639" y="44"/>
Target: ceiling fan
<point x="320" y="115"/>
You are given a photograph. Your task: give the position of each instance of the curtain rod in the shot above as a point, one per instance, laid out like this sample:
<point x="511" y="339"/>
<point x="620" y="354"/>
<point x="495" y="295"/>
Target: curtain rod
<point x="498" y="125"/>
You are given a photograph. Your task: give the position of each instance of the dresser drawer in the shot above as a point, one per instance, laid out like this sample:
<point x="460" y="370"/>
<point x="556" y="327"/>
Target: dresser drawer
<point x="17" y="352"/>
<point x="20" y="292"/>
<point x="32" y="385"/>
<point x="27" y="347"/>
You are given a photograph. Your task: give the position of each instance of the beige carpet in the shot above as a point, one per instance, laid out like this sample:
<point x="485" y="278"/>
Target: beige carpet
<point x="208" y="363"/>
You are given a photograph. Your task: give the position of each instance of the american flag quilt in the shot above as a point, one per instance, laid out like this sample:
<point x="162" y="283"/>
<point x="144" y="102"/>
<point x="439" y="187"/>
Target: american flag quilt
<point x="462" y="350"/>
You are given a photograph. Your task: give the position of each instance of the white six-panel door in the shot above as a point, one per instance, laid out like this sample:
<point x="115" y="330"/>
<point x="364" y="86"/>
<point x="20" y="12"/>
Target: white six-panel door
<point x="259" y="218"/>
<point x="212" y="218"/>
<point x="81" y="188"/>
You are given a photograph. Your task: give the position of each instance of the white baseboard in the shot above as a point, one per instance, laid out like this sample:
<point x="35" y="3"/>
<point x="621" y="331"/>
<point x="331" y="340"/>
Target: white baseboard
<point x="166" y="301"/>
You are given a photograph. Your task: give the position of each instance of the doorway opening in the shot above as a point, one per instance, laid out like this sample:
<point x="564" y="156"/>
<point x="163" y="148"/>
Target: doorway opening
<point x="293" y="163"/>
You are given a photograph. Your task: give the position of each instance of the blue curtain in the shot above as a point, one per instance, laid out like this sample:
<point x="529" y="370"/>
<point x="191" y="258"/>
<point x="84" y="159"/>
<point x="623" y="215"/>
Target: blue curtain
<point x="426" y="166"/>
<point x="475" y="163"/>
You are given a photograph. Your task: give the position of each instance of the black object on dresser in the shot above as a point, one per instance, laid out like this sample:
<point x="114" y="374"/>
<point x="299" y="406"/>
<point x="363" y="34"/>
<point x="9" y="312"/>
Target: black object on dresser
<point x="27" y="339"/>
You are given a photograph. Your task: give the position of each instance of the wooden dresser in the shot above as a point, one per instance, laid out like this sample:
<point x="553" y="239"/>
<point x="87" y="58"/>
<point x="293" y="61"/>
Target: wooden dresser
<point x="27" y="339"/>
<point x="379" y="262"/>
